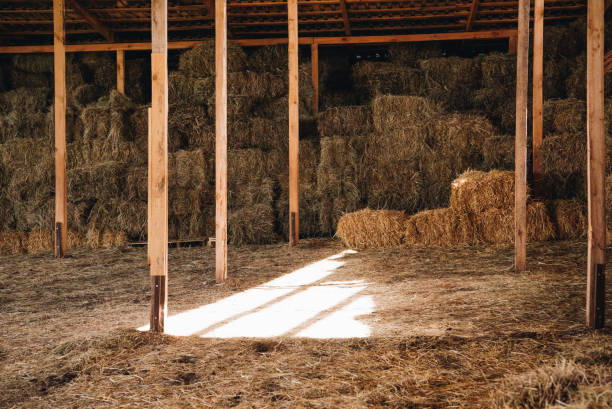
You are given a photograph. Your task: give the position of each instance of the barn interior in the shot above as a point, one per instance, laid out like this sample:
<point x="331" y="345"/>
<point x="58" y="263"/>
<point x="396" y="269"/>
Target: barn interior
<point x="313" y="203"/>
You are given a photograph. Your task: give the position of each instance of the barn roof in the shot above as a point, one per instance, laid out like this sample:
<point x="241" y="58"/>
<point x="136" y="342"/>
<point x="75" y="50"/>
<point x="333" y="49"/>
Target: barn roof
<point x="30" y="22"/>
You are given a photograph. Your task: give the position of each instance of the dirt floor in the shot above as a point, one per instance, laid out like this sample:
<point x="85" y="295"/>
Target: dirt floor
<point x="434" y="328"/>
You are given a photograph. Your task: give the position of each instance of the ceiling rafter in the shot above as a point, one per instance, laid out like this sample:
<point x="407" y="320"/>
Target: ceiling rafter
<point x="92" y="20"/>
<point x="473" y="15"/>
<point x="345" y="17"/>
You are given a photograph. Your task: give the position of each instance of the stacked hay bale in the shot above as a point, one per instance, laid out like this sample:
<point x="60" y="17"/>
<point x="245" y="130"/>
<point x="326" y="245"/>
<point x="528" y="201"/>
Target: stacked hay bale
<point x="497" y="93"/>
<point x="340" y="174"/>
<point x="564" y="147"/>
<point x="481" y="212"/>
<point x="372" y="228"/>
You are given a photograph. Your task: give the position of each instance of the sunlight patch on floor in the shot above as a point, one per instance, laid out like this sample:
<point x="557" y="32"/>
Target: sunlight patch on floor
<point x="296" y="304"/>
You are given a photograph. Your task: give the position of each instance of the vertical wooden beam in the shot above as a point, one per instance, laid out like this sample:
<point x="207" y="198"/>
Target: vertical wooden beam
<point x="59" y="72"/>
<point x="512" y="44"/>
<point x="158" y="159"/>
<point x="596" y="162"/>
<point x="294" y="137"/>
<point x="314" y="55"/>
<point x="345" y="18"/>
<point x="121" y="72"/>
<point x="221" y="140"/>
<point x="520" y="168"/>
<point x="538" y="97"/>
<point x="149" y="188"/>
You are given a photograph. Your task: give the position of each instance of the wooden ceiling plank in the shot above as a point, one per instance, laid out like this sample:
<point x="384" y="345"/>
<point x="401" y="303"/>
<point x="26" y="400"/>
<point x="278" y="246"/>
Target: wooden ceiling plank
<point x="92" y="20"/>
<point x="345" y="18"/>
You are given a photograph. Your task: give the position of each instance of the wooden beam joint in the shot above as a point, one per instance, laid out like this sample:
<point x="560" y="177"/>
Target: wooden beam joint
<point x="92" y="20"/>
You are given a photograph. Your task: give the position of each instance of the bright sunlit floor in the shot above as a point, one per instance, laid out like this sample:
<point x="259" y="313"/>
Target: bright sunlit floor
<point x="301" y="304"/>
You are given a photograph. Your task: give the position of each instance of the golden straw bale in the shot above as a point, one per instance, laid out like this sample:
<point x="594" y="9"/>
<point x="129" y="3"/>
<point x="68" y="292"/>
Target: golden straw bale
<point x="496" y="225"/>
<point x="569" y="218"/>
<point x="476" y="191"/>
<point x="40" y="240"/>
<point x="372" y="228"/>
<point x="437" y="227"/>
<point x="11" y="242"/>
<point x="251" y="225"/>
<point x="399" y="111"/>
<point x="105" y="238"/>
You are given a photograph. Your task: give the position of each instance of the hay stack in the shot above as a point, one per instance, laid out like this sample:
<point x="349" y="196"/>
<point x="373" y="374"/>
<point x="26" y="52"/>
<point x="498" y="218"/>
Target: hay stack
<point x="498" y="152"/>
<point x="564" y="116"/>
<point x="40" y="240"/>
<point x="496" y="97"/>
<point x="23" y="113"/>
<point x="271" y="58"/>
<point x="251" y="225"/>
<point x="346" y="121"/>
<point x="105" y="239"/>
<point x="392" y="112"/>
<point x="451" y="80"/>
<point x="372" y="228"/>
<point x="190" y="127"/>
<point x="337" y="181"/>
<point x="408" y="54"/>
<point x="476" y="191"/>
<point x="199" y="61"/>
<point x="438" y="227"/>
<point x="372" y="79"/>
<point x="496" y="225"/>
<point x="183" y="89"/>
<point x="564" y="164"/>
<point x="568" y="218"/>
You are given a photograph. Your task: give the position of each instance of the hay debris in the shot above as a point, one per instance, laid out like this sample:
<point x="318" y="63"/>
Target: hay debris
<point x="372" y="228"/>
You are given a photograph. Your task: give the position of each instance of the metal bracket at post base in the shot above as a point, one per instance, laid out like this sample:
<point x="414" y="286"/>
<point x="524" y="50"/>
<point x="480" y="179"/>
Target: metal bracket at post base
<point x="292" y="235"/>
<point x="58" y="240"/>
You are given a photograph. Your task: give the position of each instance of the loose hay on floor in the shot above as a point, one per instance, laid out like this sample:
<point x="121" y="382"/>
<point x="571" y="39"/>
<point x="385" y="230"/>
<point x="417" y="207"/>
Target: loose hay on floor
<point x="372" y="228"/>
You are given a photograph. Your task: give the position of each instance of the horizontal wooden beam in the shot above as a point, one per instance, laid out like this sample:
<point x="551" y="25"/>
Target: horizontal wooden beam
<point x="381" y="39"/>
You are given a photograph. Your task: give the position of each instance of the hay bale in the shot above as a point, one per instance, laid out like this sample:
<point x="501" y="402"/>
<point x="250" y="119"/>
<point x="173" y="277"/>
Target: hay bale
<point x="83" y="95"/>
<point x="568" y="218"/>
<point x="564" y="165"/>
<point x="397" y="112"/>
<point x="136" y="183"/>
<point x="199" y="61"/>
<point x="251" y="225"/>
<point x="183" y="89"/>
<point x="451" y="81"/>
<point x="102" y="67"/>
<point x="372" y="79"/>
<point x="310" y="201"/>
<point x="19" y="79"/>
<point x="498" y="152"/>
<point x="438" y="227"/>
<point x="476" y="191"/>
<point x="189" y="169"/>
<point x="11" y="242"/>
<point x="372" y="228"/>
<point x="118" y="215"/>
<point x="249" y="181"/>
<point x="262" y="133"/>
<point x="23" y="113"/>
<point x="345" y="120"/>
<point x="190" y="127"/>
<point x="337" y="182"/>
<point x="564" y="116"/>
<point x="105" y="239"/>
<point x="256" y="85"/>
<point x="271" y="58"/>
<point x="497" y="95"/>
<point x="97" y="181"/>
<point x="408" y="54"/>
<point x="34" y="63"/>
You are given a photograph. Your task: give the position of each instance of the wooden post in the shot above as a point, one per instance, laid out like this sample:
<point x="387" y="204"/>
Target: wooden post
<point x="314" y="55"/>
<point x="121" y="72"/>
<point x="512" y="44"/>
<point x="520" y="168"/>
<point x="596" y="162"/>
<point x="158" y="159"/>
<point x="538" y="97"/>
<point x="149" y="189"/>
<point x="221" y="140"/>
<point x="59" y="71"/>
<point x="294" y="118"/>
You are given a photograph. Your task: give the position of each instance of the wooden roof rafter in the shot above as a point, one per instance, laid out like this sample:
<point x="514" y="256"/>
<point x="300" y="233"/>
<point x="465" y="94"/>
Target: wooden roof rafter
<point x="92" y="20"/>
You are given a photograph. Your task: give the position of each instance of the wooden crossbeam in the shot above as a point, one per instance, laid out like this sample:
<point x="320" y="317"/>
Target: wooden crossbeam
<point x="92" y="20"/>
<point x="345" y="18"/>
<point x="472" y="16"/>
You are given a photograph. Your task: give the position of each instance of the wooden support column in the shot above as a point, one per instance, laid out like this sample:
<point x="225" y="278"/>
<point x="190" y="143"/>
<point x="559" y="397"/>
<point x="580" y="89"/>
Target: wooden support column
<point x="596" y="162"/>
<point x="121" y="71"/>
<point x="221" y="140"/>
<point x="520" y="168"/>
<point x="294" y="118"/>
<point x="538" y="97"/>
<point x="512" y="44"/>
<point x="158" y="160"/>
<point x="59" y="71"/>
<point x="314" y="55"/>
